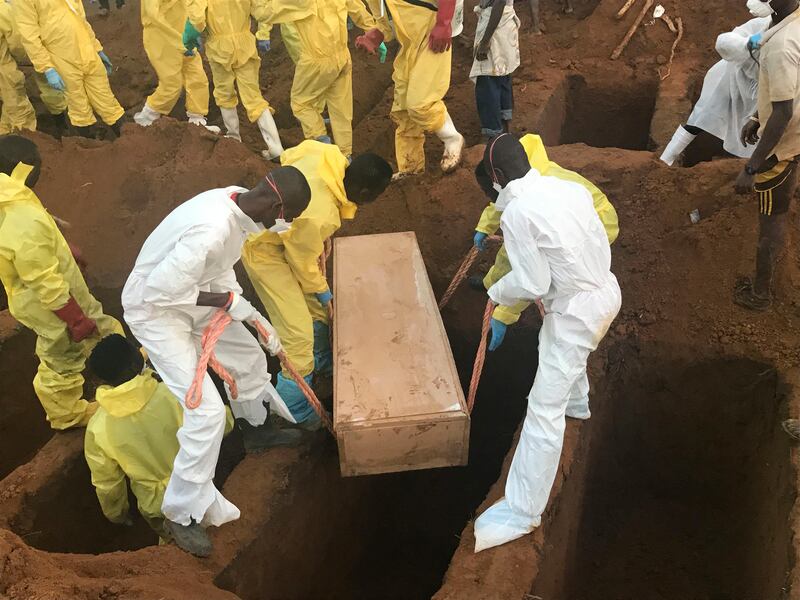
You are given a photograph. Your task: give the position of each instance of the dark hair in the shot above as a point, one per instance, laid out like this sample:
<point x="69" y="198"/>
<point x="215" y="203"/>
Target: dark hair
<point x="15" y="149"/>
<point x="483" y="179"/>
<point x="115" y="360"/>
<point x="368" y="172"/>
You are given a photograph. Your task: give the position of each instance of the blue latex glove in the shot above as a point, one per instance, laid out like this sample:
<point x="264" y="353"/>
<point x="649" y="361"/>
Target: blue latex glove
<point x="754" y="43"/>
<point x="498" y="334"/>
<point x="106" y="62"/>
<point x="325" y="298"/>
<point x="480" y="240"/>
<point x="264" y="46"/>
<point x="191" y="39"/>
<point x="382" y="52"/>
<point x="54" y="80"/>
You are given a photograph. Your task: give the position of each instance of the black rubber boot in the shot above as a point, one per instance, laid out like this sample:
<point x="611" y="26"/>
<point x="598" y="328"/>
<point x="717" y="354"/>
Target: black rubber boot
<point x="476" y="283"/>
<point x="744" y="295"/>
<point x="117" y="127"/>
<point x="87" y="132"/>
<point x="61" y="122"/>
<point x="192" y="538"/>
<point x="268" y="435"/>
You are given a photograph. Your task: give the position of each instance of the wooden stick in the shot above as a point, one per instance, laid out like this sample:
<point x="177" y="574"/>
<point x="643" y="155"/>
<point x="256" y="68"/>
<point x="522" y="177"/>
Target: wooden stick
<point x="626" y="7"/>
<point x="626" y="40"/>
<point x="679" y="22"/>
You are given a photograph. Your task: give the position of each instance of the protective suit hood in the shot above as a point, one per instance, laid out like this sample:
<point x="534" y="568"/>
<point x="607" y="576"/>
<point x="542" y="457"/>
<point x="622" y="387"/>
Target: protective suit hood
<point x="128" y="398"/>
<point x="13" y="188"/>
<point x="332" y="166"/>
<point x="518" y="188"/>
<point x="537" y="154"/>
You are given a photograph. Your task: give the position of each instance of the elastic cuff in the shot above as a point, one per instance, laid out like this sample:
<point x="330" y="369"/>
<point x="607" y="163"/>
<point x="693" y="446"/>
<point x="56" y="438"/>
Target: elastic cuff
<point x="506" y="315"/>
<point x="491" y="132"/>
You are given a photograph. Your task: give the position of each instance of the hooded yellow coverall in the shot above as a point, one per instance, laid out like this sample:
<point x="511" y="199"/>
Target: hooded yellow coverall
<point x="133" y="434"/>
<point x="284" y="268"/>
<point x="324" y="73"/>
<point x="162" y="23"/>
<point x="490" y="220"/>
<point x="18" y="112"/>
<point x="56" y="34"/>
<point x="231" y="51"/>
<point x="39" y="275"/>
<point x="421" y="80"/>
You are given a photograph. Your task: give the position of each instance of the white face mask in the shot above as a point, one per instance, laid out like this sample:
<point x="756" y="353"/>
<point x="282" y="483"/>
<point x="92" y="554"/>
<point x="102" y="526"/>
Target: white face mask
<point x="497" y="187"/>
<point x="281" y="226"/>
<point x="758" y="8"/>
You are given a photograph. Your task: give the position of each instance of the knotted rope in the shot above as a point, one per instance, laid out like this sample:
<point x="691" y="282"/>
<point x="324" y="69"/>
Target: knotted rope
<point x="211" y="335"/>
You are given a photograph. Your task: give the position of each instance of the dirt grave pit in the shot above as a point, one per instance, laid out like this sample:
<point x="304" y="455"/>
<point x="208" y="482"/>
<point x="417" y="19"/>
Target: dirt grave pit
<point x="696" y="497"/>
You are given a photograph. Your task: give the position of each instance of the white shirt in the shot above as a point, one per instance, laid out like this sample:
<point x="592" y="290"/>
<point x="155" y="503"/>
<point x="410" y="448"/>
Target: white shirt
<point x="555" y="241"/>
<point x="194" y="249"/>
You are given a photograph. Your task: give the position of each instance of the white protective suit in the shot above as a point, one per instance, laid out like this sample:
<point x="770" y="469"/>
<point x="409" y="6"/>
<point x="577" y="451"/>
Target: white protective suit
<point x="559" y="253"/>
<point x="730" y="89"/>
<point x="194" y="249"/>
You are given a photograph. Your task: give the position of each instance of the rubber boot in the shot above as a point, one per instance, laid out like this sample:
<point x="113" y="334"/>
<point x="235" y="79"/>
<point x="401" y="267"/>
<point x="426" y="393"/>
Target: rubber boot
<point x="269" y="131"/>
<point x="200" y="121"/>
<point x="323" y="356"/>
<point x="61" y="123"/>
<point x="296" y="402"/>
<point x="146" y="117"/>
<point x="680" y="140"/>
<point x="192" y="538"/>
<point x="230" y="117"/>
<point x="85" y="131"/>
<point x="268" y="435"/>
<point x="453" y="145"/>
<point x="117" y="127"/>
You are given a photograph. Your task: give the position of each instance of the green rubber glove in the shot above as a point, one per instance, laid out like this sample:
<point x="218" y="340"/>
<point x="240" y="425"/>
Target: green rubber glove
<point x="382" y="52"/>
<point x="191" y="38"/>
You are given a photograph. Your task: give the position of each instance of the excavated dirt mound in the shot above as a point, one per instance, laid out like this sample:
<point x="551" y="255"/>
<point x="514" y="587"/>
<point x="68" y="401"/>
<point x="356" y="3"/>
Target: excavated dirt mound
<point x="681" y="486"/>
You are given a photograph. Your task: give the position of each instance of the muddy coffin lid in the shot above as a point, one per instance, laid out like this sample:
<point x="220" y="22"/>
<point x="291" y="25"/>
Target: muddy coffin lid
<point x="393" y="358"/>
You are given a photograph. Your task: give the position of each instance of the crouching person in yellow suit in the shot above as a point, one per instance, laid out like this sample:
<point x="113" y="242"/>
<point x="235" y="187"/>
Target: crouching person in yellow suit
<point x="490" y="221"/>
<point x="45" y="288"/>
<point x="132" y="435"/>
<point x="284" y="267"/>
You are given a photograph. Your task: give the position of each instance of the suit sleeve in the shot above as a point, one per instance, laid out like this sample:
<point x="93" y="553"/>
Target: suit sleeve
<point x="108" y="479"/>
<point x="490" y="220"/>
<point x="26" y="17"/>
<point x="360" y="15"/>
<point x="196" y="13"/>
<point x="303" y="247"/>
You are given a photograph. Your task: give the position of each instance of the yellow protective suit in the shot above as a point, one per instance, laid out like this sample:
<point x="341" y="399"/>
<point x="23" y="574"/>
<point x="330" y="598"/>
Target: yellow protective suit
<point x="421" y="80"/>
<point x="162" y="25"/>
<point x="39" y="275"/>
<point x="18" y="112"/>
<point x="56" y="34"/>
<point x="288" y="35"/>
<point x="490" y="220"/>
<point x="284" y="268"/>
<point x="324" y="72"/>
<point x="231" y="51"/>
<point x="134" y="435"/>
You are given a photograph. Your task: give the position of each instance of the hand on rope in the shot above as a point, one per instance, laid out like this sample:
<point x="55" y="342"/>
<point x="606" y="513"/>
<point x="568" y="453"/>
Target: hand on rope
<point x="211" y="335"/>
<point x="461" y="274"/>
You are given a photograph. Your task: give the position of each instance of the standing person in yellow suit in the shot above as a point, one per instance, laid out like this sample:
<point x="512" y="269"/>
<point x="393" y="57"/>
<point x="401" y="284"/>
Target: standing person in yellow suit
<point x="45" y="288"/>
<point x="424" y="29"/>
<point x="324" y="72"/>
<point x="490" y="223"/>
<point x="233" y="56"/>
<point x="18" y="112"/>
<point x="162" y="29"/>
<point x="284" y="268"/>
<point x="133" y="435"/>
<point x="62" y="46"/>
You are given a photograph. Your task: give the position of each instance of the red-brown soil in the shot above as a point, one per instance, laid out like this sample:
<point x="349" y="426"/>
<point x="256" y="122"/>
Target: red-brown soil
<point x="681" y="486"/>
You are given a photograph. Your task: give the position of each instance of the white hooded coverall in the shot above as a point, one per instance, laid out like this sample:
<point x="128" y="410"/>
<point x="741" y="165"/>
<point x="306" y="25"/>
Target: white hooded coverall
<point x="730" y="89"/>
<point x="559" y="253"/>
<point x="194" y="249"/>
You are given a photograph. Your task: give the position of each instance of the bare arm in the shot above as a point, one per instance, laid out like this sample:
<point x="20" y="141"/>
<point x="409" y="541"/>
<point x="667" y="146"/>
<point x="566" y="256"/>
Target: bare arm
<point x="494" y="20"/>
<point x="773" y="132"/>
<point x="213" y="299"/>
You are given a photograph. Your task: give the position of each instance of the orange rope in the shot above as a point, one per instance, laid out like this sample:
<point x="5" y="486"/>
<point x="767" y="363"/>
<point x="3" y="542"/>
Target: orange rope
<point x="211" y="335"/>
<point x="463" y="270"/>
<point x="480" y="357"/>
